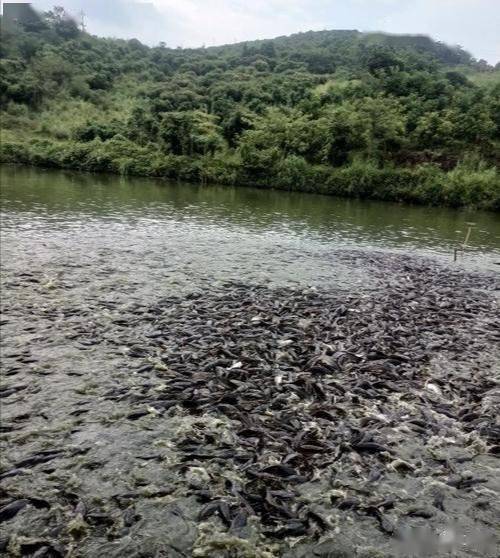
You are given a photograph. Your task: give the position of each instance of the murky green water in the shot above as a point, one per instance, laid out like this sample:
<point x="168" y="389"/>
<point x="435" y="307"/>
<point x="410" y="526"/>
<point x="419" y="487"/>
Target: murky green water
<point x="147" y="235"/>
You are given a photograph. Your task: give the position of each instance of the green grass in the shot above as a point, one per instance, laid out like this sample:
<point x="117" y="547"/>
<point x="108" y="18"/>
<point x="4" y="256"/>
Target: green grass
<point x="469" y="184"/>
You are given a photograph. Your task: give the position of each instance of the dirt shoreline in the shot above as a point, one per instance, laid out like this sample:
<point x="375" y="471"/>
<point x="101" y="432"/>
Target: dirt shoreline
<point x="256" y="421"/>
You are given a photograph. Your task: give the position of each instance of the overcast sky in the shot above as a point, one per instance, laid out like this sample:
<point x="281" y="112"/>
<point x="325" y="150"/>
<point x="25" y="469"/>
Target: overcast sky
<point x="474" y="24"/>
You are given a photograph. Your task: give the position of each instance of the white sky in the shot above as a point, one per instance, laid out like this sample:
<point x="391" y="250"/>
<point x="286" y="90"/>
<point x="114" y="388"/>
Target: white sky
<point x="474" y="24"/>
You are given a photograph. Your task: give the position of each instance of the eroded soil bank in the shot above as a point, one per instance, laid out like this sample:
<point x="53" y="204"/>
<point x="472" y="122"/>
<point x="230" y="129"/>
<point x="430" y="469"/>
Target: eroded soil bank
<point x="254" y="421"/>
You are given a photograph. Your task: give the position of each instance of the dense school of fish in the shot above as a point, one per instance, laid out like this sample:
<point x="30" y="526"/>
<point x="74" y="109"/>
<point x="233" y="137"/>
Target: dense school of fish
<point x="250" y="420"/>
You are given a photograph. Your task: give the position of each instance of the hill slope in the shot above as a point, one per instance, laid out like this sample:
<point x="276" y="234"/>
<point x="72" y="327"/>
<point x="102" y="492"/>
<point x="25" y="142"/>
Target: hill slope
<point x="341" y="112"/>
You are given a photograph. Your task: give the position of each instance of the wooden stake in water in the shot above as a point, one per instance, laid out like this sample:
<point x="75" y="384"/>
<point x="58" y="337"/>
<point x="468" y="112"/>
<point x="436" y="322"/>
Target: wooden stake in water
<point x="465" y="243"/>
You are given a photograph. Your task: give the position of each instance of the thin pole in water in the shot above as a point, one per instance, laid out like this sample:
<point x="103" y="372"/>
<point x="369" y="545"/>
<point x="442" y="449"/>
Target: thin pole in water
<point x="467" y="236"/>
<point x="465" y="243"/>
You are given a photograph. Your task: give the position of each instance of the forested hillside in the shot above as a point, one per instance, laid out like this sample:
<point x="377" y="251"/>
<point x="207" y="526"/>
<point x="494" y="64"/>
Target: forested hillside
<point x="341" y="112"/>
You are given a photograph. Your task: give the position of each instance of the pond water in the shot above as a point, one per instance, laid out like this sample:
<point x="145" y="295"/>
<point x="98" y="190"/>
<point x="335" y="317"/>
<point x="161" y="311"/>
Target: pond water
<point x="143" y="235"/>
<point x="96" y="446"/>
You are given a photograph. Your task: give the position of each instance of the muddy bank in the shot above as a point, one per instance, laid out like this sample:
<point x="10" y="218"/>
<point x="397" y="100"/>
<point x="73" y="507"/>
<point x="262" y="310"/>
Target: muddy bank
<point x="246" y="420"/>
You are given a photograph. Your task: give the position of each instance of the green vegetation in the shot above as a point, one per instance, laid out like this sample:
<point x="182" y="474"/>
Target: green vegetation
<point x="337" y="112"/>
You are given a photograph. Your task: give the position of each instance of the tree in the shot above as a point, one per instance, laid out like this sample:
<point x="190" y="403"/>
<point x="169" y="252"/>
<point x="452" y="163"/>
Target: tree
<point x="62" y="23"/>
<point x="435" y="129"/>
<point x="267" y="49"/>
<point x="190" y="133"/>
<point x="235" y="123"/>
<point x="52" y="67"/>
<point x="343" y="132"/>
<point x="381" y="58"/>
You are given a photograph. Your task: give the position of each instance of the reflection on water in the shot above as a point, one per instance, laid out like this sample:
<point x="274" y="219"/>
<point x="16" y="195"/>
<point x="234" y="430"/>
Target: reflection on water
<point x="147" y="234"/>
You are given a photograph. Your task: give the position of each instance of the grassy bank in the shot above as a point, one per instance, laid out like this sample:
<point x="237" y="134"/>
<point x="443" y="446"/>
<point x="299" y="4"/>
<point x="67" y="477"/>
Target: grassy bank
<point x="469" y="184"/>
